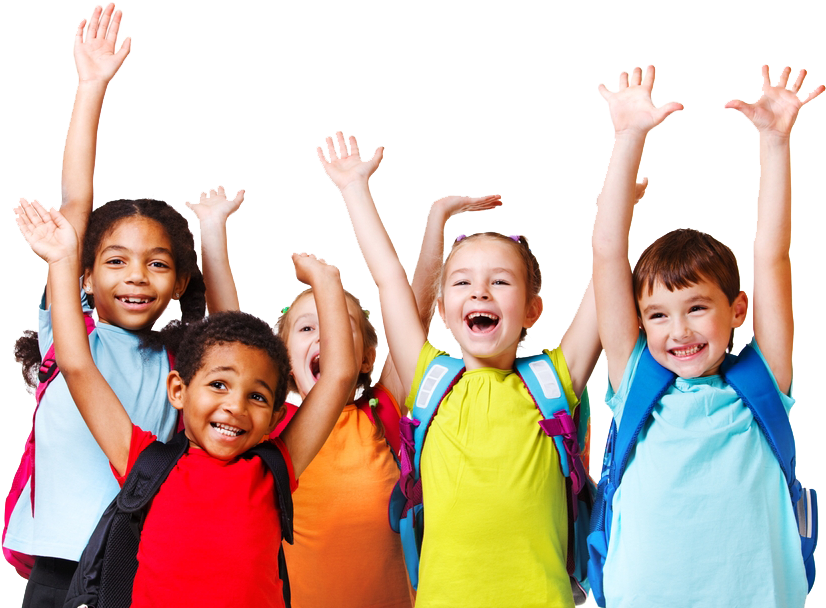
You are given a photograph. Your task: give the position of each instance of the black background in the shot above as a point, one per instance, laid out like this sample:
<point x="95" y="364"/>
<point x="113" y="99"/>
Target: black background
<point x="216" y="97"/>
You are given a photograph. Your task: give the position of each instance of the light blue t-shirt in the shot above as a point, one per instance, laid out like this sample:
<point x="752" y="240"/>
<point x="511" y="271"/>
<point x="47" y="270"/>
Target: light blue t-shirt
<point x="73" y="480"/>
<point x="702" y="516"/>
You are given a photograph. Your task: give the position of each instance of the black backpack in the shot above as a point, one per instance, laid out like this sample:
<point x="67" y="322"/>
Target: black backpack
<point x="107" y="567"/>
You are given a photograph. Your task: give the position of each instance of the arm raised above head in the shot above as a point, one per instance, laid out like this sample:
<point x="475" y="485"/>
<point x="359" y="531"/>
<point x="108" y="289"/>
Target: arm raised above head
<point x="773" y="115"/>
<point x="633" y="115"/>
<point x="52" y="237"/>
<point x="312" y="424"/>
<point x="402" y="325"/>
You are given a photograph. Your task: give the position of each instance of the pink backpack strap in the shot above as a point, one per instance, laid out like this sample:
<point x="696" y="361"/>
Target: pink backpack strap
<point x="387" y="411"/>
<point x="25" y="471"/>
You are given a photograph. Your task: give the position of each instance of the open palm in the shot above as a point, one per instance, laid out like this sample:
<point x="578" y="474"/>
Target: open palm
<point x="347" y="167"/>
<point x="776" y="111"/>
<point x="48" y="233"/>
<point x="631" y="106"/>
<point x="95" y="56"/>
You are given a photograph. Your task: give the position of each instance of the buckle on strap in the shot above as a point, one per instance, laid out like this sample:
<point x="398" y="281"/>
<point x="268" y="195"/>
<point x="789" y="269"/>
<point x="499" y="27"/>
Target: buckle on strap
<point x="562" y="425"/>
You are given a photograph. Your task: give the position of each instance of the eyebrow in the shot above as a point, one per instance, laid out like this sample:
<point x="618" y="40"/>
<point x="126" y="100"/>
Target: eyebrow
<point x="230" y="368"/>
<point x="154" y="251"/>
<point x="305" y="315"/>
<point x="492" y="271"/>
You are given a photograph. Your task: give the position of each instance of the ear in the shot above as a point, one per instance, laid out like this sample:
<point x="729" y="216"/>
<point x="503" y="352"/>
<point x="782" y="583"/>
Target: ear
<point x="740" y="308"/>
<point x="180" y="286"/>
<point x="175" y="389"/>
<point x="277" y="416"/>
<point x="440" y="306"/>
<point x="533" y="311"/>
<point x="87" y="282"/>
<point x="368" y="360"/>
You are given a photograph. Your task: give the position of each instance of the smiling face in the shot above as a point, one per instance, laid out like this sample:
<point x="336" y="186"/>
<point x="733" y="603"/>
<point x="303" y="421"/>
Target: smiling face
<point x="302" y="339"/>
<point x="133" y="277"/>
<point x="228" y="405"/>
<point x="485" y="302"/>
<point x="688" y="330"/>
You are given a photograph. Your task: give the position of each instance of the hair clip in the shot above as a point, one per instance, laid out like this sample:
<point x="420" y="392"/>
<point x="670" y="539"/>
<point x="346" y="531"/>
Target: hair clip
<point x="284" y="310"/>
<point x="461" y="237"/>
<point x="516" y="237"/>
<point x="366" y="313"/>
<point x="373" y="402"/>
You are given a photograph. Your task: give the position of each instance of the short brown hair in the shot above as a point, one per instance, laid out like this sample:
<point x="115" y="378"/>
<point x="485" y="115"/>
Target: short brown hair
<point x="683" y="258"/>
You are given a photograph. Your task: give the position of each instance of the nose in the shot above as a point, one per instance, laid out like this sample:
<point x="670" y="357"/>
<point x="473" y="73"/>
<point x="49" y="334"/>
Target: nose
<point x="680" y="328"/>
<point x="235" y="403"/>
<point x="480" y="292"/>
<point x="137" y="275"/>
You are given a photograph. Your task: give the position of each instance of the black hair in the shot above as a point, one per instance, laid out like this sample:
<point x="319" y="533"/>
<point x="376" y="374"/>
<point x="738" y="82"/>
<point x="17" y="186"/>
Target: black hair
<point x="228" y="327"/>
<point x="102" y="222"/>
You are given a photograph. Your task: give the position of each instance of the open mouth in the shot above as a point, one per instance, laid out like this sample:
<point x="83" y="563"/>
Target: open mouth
<point x="225" y="429"/>
<point x="481" y="322"/>
<point x="688" y="351"/>
<point x="315" y="367"/>
<point x="134" y="301"/>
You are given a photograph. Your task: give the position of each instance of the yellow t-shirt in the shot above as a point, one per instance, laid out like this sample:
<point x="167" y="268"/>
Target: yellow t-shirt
<point x="496" y="531"/>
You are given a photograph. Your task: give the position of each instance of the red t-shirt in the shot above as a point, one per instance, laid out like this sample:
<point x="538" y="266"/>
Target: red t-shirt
<point x="212" y="534"/>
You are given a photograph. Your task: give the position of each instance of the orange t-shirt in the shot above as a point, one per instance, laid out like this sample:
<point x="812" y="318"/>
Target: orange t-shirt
<point x="345" y="553"/>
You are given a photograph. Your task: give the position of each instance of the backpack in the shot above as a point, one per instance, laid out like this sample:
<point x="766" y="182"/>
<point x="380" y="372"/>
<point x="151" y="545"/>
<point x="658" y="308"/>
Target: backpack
<point x="568" y="433"/>
<point x="25" y="471"/>
<point x="748" y="376"/>
<point x="107" y="567"/>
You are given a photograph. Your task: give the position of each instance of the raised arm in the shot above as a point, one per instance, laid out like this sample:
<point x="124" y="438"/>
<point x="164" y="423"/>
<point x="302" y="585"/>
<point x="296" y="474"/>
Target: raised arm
<point x="405" y="334"/>
<point x="52" y="237"/>
<point x="212" y="212"/>
<point x="774" y="115"/>
<point x="96" y="62"/>
<point x="633" y="115"/>
<point x="318" y="413"/>
<point x="428" y="268"/>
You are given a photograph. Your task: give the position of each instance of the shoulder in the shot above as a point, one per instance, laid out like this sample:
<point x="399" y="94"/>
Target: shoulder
<point x="276" y="442"/>
<point x="785" y="398"/>
<point x="426" y="356"/>
<point x="557" y="358"/>
<point x="616" y="399"/>
<point x="140" y="441"/>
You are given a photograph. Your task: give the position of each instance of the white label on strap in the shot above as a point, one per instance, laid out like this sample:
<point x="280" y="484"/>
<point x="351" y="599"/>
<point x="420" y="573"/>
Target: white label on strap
<point x="804" y="514"/>
<point x="429" y="383"/>
<point x="546" y="377"/>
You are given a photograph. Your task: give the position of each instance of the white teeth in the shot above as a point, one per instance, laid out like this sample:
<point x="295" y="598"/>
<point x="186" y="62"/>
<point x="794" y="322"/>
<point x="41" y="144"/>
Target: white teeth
<point x="135" y="300"/>
<point x="488" y="315"/>
<point x="687" y="351"/>
<point x="225" y="429"/>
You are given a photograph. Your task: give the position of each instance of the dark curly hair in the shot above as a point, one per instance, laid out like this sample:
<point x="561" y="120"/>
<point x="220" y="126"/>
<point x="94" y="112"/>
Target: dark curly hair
<point x="228" y="327"/>
<point x="102" y="222"/>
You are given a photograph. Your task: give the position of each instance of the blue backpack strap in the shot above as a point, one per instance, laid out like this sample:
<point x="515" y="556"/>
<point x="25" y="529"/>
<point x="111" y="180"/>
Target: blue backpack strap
<point x="748" y="376"/>
<point x="439" y="377"/>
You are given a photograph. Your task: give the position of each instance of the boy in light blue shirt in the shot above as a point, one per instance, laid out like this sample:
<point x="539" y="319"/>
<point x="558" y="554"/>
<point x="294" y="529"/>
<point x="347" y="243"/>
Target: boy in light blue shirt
<point x="703" y="516"/>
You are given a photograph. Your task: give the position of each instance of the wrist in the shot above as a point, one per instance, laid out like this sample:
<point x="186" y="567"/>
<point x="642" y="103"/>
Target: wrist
<point x="358" y="185"/>
<point x="774" y="139"/>
<point x="630" y="135"/>
<point x="92" y="85"/>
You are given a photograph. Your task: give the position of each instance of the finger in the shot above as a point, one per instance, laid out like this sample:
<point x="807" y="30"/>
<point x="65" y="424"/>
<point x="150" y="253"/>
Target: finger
<point x="112" y="34"/>
<point x="57" y="218"/>
<point x="212" y="193"/>
<point x="321" y="156"/>
<point x="29" y="213"/>
<point x="79" y="33"/>
<point x="668" y="109"/>
<point x="378" y="156"/>
<point x="92" y="30"/>
<point x="341" y="145"/>
<point x="784" y="77"/>
<point x="221" y="191"/>
<point x="746" y="108"/>
<point x="332" y="150"/>
<point x="104" y="20"/>
<point x="604" y="92"/>
<point x="648" y="82"/>
<point x="766" y="81"/>
<point x="623" y="83"/>
<point x="239" y="198"/>
<point x="636" y="76"/>
<point x="799" y="82"/>
<point x="814" y="94"/>
<point x="124" y="49"/>
<point x="203" y="196"/>
<point x="354" y="147"/>
<point x="190" y="205"/>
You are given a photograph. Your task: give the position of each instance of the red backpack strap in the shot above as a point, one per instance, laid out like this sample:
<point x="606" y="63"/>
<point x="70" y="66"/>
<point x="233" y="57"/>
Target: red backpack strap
<point x="387" y="411"/>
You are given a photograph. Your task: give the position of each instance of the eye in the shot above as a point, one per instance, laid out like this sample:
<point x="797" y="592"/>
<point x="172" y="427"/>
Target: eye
<point x="501" y="282"/>
<point x="259" y="397"/>
<point x="657" y="315"/>
<point x="114" y="262"/>
<point x="159" y="264"/>
<point x="218" y="385"/>
<point x="696" y="308"/>
<point x="306" y="328"/>
<point x="462" y="282"/>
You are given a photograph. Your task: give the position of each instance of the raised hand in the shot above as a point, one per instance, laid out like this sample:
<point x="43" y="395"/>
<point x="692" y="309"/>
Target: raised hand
<point x="216" y="206"/>
<point x="631" y="107"/>
<point x="95" y="56"/>
<point x="775" y="112"/>
<point x="308" y="268"/>
<point x="453" y="205"/>
<point x="48" y="233"/>
<point x="347" y="168"/>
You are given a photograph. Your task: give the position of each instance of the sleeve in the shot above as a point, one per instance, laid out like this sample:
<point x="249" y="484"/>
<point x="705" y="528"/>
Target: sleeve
<point x="561" y="367"/>
<point x="140" y="439"/>
<point x="427" y="354"/>
<point x="45" y="337"/>
<point x="787" y="400"/>
<point x="616" y="400"/>
<point x="379" y="388"/>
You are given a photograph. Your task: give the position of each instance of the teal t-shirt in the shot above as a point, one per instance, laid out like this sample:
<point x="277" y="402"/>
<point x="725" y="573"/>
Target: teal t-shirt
<point x="703" y="516"/>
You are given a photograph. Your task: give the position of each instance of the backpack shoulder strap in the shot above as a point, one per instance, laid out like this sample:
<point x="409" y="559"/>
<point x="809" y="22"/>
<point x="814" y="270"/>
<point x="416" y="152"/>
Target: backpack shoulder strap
<point x="748" y="376"/>
<point x="387" y="411"/>
<point x="277" y="465"/>
<point x="150" y="470"/>
<point x="439" y="377"/>
<point x="48" y="365"/>
<point x="651" y="381"/>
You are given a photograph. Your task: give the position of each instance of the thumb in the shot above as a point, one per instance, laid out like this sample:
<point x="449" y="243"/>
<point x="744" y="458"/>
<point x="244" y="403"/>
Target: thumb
<point x="741" y="106"/>
<point x="124" y="49"/>
<point x="604" y="92"/>
<point x="668" y="109"/>
<point x="378" y="155"/>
